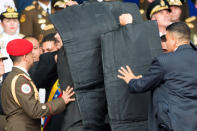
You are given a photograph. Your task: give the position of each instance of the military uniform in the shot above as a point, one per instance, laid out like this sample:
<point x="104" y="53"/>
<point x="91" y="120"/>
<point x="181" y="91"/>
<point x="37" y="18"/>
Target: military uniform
<point x="34" y="21"/>
<point x="21" y="104"/>
<point x="192" y="23"/>
<point x="20" y="99"/>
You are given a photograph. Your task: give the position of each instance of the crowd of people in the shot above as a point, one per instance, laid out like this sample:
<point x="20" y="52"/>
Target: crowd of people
<point x="29" y="45"/>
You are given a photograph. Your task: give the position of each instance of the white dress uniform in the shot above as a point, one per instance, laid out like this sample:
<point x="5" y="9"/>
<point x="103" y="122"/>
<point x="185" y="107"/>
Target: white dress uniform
<point x="3" y="6"/>
<point x="4" y="39"/>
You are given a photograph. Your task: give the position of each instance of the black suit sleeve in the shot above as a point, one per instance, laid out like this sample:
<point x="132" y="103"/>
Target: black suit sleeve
<point x="150" y="80"/>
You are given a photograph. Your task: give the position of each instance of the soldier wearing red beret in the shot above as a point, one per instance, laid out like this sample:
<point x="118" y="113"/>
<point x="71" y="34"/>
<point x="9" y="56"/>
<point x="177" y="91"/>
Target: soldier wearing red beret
<point x="20" y="99"/>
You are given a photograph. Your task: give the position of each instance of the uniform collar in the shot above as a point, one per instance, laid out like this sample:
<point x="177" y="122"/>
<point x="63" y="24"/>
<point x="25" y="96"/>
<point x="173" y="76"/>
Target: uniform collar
<point x="23" y="69"/>
<point x="44" y="7"/>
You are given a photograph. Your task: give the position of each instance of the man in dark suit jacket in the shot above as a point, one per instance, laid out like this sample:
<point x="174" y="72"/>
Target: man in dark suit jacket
<point x="173" y="80"/>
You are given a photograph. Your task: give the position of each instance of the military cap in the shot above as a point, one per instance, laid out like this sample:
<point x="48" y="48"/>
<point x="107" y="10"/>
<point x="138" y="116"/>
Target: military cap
<point x="10" y="13"/>
<point x="19" y="47"/>
<point x="175" y="2"/>
<point x="156" y="6"/>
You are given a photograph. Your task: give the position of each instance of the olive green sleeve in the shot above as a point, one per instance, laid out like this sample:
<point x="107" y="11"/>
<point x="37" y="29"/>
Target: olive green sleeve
<point x="34" y="109"/>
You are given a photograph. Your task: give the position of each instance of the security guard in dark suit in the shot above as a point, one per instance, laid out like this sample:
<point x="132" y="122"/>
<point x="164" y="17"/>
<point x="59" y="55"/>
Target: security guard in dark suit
<point x="20" y="99"/>
<point x="172" y="79"/>
<point x="34" y="21"/>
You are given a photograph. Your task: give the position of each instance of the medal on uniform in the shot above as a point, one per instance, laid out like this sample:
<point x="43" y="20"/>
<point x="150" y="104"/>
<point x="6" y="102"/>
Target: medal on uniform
<point x="44" y="13"/>
<point x="39" y="16"/>
<point x="41" y="21"/>
<point x="42" y="26"/>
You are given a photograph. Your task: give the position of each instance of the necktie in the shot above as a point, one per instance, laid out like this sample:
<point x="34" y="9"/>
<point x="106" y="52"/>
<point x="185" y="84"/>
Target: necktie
<point x="48" y="10"/>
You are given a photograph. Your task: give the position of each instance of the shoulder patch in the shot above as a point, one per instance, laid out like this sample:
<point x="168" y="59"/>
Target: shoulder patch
<point x="26" y="88"/>
<point x="190" y="19"/>
<point x="28" y="8"/>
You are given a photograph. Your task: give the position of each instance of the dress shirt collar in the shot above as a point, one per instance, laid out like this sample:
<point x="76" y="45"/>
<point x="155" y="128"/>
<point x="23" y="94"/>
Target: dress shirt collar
<point x="23" y="69"/>
<point x="44" y="7"/>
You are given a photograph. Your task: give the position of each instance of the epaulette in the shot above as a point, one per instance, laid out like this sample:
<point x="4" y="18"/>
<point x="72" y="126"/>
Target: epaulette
<point x="26" y="77"/>
<point x="1" y="35"/>
<point x="190" y="19"/>
<point x="21" y="35"/>
<point x="190" y="25"/>
<point x="28" y="8"/>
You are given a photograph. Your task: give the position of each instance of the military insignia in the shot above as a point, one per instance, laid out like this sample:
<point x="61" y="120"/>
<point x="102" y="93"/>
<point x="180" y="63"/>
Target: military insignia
<point x="39" y="16"/>
<point x="44" y="107"/>
<point x="190" y="25"/>
<point x="195" y="39"/>
<point x="25" y="88"/>
<point x="141" y="11"/>
<point x="48" y="27"/>
<point x="23" y="18"/>
<point x="190" y="19"/>
<point x="28" y="8"/>
<point x="41" y="21"/>
<point x="42" y="26"/>
<point x="162" y="3"/>
<point x="44" y="13"/>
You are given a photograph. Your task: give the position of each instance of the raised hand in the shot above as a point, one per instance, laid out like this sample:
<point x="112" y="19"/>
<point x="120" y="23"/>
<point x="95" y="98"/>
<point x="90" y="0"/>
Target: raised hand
<point x="127" y="74"/>
<point x="67" y="95"/>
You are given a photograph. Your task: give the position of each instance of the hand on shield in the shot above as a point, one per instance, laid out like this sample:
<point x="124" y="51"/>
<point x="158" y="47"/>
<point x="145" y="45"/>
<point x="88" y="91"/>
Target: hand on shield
<point x="125" y="19"/>
<point x="127" y="74"/>
<point x="67" y="95"/>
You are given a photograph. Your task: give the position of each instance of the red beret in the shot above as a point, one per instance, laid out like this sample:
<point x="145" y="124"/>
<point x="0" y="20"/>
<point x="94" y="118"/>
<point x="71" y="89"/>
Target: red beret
<point x="19" y="47"/>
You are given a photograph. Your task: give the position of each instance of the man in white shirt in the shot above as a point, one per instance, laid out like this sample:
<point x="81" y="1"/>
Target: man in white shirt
<point x="10" y="24"/>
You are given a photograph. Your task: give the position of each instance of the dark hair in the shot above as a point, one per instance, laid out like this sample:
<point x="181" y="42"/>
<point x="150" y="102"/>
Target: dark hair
<point x="163" y="38"/>
<point x="49" y="37"/>
<point x="15" y="58"/>
<point x="181" y="28"/>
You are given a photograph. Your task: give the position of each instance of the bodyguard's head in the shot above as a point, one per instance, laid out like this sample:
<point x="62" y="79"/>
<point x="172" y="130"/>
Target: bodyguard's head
<point x="177" y="34"/>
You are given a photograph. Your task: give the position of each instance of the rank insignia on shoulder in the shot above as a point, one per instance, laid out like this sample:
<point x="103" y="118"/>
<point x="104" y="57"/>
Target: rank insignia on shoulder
<point x="28" y="8"/>
<point x="23" y="18"/>
<point x="26" y="88"/>
<point x="190" y="19"/>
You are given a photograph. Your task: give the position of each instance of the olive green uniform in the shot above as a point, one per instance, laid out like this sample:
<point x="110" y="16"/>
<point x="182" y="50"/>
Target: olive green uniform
<point x="21" y="104"/>
<point x="34" y="22"/>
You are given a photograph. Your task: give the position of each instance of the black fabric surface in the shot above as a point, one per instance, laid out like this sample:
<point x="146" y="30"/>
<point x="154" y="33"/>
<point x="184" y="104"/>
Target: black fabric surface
<point x="80" y="28"/>
<point x="134" y="45"/>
